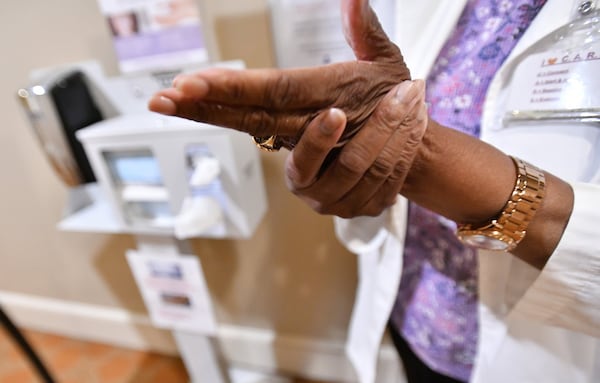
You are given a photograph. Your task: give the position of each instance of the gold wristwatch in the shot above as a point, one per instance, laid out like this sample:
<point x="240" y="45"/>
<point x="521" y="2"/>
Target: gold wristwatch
<point x="506" y="231"/>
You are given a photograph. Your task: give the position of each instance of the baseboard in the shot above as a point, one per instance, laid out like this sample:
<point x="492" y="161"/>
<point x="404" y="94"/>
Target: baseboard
<point x="253" y="348"/>
<point x="87" y="322"/>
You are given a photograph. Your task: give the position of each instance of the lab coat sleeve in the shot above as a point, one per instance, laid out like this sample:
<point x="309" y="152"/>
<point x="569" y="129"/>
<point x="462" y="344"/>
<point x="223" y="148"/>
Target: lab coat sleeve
<point x="362" y="234"/>
<point x="378" y="244"/>
<point x="567" y="291"/>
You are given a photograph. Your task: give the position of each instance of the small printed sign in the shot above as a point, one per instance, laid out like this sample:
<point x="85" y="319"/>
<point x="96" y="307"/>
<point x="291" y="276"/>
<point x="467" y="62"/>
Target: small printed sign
<point x="174" y="290"/>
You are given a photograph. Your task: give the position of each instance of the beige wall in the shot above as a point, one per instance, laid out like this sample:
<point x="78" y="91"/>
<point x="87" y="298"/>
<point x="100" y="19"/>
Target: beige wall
<point x="292" y="276"/>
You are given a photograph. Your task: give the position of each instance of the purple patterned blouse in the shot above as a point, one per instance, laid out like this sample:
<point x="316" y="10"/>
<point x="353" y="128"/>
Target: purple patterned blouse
<point x="436" y="307"/>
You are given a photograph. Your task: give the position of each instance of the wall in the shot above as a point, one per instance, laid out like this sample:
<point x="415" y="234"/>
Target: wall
<point x="292" y="276"/>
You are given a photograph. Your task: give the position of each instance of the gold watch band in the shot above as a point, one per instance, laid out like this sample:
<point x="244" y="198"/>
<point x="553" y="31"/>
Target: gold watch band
<point x="509" y="228"/>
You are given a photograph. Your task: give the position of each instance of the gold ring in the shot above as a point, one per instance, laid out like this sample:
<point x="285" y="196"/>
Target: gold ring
<point x="268" y="144"/>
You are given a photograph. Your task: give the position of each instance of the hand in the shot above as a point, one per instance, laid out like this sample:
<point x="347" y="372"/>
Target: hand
<point x="266" y="102"/>
<point x="367" y="174"/>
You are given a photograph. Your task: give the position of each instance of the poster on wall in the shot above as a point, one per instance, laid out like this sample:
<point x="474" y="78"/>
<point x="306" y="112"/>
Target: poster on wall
<point x="155" y="34"/>
<point x="174" y="291"/>
<point x="309" y="32"/>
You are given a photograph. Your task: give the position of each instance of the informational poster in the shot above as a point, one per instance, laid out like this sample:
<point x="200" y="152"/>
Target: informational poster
<point x="174" y="290"/>
<point x="155" y="34"/>
<point x="309" y="32"/>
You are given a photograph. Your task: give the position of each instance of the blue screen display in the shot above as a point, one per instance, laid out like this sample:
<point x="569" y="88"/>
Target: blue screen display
<point x="134" y="168"/>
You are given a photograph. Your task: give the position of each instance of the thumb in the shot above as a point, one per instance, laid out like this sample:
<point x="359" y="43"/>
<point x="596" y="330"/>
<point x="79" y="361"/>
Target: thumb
<point x="313" y="149"/>
<point x="365" y="35"/>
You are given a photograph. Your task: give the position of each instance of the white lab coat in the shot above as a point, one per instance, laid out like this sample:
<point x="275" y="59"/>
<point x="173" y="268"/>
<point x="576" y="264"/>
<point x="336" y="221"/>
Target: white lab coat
<point x="535" y="326"/>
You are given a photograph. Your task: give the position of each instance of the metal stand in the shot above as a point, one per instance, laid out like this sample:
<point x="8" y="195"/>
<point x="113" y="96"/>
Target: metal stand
<point x="201" y="356"/>
<point x="200" y="353"/>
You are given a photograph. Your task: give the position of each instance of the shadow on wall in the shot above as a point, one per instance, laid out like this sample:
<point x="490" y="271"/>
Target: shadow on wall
<point x="111" y="264"/>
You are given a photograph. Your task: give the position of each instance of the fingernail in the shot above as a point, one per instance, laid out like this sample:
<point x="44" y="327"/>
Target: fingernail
<point x="332" y="121"/>
<point x="163" y="105"/>
<point x="403" y="89"/>
<point x="192" y="86"/>
<point x="175" y="81"/>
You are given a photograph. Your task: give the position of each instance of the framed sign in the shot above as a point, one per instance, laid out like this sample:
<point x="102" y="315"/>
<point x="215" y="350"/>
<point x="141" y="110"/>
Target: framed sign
<point x="155" y="34"/>
<point x="309" y="32"/>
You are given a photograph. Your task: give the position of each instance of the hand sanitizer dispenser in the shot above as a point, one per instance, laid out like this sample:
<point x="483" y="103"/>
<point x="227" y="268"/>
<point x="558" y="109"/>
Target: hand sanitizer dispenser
<point x="174" y="176"/>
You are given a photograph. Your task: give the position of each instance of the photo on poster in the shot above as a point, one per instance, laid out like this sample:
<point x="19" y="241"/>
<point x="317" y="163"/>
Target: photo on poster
<point x="175" y="299"/>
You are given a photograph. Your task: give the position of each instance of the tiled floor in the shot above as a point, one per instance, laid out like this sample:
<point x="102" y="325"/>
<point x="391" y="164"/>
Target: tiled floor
<point x="73" y="361"/>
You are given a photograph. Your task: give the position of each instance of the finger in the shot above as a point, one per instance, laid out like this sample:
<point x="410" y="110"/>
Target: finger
<point x="372" y="208"/>
<point x="358" y="155"/>
<point x="273" y="89"/>
<point x="320" y="136"/>
<point x="165" y="102"/>
<point x="395" y="182"/>
<point x="388" y="192"/>
<point x="380" y="184"/>
<point x="365" y="34"/>
<point x="379" y="203"/>
<point x="255" y="121"/>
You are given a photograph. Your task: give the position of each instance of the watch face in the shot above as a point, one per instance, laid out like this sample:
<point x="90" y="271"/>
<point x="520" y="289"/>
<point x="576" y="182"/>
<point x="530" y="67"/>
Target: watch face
<point x="484" y="242"/>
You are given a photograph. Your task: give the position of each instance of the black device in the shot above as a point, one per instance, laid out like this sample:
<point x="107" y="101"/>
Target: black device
<point x="76" y="109"/>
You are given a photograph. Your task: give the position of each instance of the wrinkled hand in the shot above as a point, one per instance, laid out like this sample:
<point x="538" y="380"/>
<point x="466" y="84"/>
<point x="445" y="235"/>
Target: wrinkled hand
<point x="266" y="102"/>
<point x="366" y="175"/>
